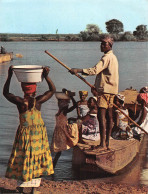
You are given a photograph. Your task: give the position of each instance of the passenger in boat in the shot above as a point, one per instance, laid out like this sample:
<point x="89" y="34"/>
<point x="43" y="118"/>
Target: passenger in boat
<point x="3" y="50"/>
<point x="65" y="134"/>
<point x="90" y="125"/>
<point x="31" y="156"/>
<point x="82" y="107"/>
<point x="144" y="89"/>
<point x="106" y="84"/>
<point x="142" y="119"/>
<point x="121" y="129"/>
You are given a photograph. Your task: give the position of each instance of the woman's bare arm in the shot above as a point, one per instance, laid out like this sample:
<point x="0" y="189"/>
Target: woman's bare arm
<point x="9" y="96"/>
<point x="48" y="94"/>
<point x="143" y="116"/>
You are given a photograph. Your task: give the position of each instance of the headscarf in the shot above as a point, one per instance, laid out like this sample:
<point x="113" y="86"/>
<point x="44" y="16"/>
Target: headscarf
<point x="108" y="39"/>
<point x="85" y="93"/>
<point x="143" y="96"/>
<point x="144" y="90"/>
<point x="29" y="88"/>
<point x="121" y="97"/>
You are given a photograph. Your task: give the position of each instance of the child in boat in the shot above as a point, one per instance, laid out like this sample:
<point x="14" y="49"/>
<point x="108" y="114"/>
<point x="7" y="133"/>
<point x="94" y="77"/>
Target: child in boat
<point x="121" y="129"/>
<point x="82" y="107"/>
<point x="65" y="135"/>
<point x="31" y="155"/>
<point x="142" y="119"/>
<point x="90" y="125"/>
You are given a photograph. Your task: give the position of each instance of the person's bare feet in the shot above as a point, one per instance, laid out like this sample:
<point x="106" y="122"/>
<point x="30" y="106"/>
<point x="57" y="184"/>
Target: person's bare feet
<point x="98" y="147"/>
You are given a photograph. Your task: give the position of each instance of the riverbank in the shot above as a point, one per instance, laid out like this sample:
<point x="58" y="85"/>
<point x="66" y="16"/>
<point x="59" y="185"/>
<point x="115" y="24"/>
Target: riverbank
<point x="75" y="187"/>
<point x="123" y="37"/>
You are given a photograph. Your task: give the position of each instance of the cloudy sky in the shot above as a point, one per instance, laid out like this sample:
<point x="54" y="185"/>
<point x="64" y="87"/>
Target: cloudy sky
<point x="69" y="16"/>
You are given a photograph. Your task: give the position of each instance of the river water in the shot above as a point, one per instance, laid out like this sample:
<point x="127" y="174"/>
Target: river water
<point x="133" y="71"/>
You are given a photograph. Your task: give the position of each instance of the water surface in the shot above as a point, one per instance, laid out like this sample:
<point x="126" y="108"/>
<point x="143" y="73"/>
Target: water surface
<point x="133" y="71"/>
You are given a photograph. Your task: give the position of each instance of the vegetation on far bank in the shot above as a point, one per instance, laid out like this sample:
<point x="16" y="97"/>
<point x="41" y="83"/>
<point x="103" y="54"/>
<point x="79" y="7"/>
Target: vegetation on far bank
<point x="114" y="27"/>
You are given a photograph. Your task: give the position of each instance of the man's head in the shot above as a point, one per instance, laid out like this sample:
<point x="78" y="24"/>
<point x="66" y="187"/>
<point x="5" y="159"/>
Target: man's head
<point x="106" y="44"/>
<point x="29" y="89"/>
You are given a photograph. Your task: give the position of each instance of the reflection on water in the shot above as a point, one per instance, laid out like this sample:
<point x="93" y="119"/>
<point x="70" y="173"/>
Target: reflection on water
<point x="133" y="69"/>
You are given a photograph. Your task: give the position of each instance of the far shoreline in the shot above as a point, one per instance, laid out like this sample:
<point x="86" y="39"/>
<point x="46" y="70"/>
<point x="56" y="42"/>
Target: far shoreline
<point x="121" y="37"/>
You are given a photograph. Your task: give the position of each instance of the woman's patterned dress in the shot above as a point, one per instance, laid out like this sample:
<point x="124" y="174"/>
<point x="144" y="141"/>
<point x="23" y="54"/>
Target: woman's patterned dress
<point x="31" y="156"/>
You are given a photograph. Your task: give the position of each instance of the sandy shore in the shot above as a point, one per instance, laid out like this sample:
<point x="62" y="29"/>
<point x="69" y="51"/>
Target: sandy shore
<point x="73" y="187"/>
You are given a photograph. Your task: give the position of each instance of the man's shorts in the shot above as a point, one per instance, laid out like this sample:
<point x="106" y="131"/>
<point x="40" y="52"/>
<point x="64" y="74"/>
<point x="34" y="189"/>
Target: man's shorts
<point x="105" y="101"/>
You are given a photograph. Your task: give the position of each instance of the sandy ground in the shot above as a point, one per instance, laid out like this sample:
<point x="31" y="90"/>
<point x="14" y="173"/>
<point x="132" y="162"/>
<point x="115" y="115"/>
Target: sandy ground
<point x="73" y="187"/>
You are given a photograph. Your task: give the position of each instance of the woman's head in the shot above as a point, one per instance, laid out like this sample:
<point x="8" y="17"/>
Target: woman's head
<point x="92" y="103"/>
<point x="83" y="94"/>
<point x="63" y="99"/>
<point x="142" y="98"/>
<point x="29" y="89"/>
<point x="144" y="90"/>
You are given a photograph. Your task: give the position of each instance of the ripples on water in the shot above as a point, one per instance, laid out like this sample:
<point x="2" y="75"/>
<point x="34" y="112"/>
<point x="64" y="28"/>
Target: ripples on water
<point x="133" y="71"/>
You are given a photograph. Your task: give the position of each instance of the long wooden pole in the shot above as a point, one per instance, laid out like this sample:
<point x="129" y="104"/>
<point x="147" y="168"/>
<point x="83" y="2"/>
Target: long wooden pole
<point x="93" y="87"/>
<point x="68" y="68"/>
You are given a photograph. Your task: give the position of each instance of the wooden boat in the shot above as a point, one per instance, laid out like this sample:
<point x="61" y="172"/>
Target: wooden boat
<point x="121" y="153"/>
<point x="6" y="57"/>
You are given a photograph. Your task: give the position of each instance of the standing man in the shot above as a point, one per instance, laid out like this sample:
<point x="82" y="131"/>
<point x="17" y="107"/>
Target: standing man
<point x="106" y="85"/>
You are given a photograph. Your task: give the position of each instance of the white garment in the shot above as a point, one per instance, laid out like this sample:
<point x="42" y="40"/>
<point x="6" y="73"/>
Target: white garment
<point x="83" y="109"/>
<point x="33" y="183"/>
<point x="144" y="125"/>
<point x="123" y="120"/>
<point x="90" y="128"/>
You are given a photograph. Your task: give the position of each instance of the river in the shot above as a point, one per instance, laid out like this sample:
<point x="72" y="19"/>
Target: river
<point x="133" y="71"/>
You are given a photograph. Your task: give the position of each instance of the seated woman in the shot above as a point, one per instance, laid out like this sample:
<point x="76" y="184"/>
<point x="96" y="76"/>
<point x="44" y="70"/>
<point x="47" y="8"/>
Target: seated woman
<point x="90" y="125"/>
<point x="82" y="107"/>
<point x="142" y="119"/>
<point x="121" y="129"/>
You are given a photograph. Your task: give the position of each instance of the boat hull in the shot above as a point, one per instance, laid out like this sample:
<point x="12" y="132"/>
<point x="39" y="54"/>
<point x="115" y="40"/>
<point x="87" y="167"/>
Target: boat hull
<point x="121" y="153"/>
<point x="6" y="57"/>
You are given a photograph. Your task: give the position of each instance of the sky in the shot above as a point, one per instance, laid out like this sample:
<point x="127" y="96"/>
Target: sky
<point x="69" y="16"/>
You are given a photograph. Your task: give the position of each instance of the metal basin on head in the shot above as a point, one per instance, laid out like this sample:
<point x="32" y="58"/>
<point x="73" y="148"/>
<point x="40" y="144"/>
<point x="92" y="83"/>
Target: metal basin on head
<point x="28" y="73"/>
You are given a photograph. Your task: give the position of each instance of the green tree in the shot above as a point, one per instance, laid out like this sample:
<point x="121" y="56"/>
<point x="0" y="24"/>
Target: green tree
<point x="114" y="26"/>
<point x="91" y="33"/>
<point x="43" y="37"/>
<point x="128" y="36"/>
<point x="84" y="35"/>
<point x="141" y="32"/>
<point x="92" y="29"/>
<point x="4" y="37"/>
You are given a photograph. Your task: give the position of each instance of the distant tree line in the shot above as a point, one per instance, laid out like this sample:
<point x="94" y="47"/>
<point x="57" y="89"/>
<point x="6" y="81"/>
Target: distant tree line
<point x="115" y="28"/>
<point x="92" y="32"/>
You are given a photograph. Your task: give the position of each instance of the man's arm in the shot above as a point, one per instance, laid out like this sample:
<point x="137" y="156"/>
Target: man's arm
<point x="75" y="70"/>
<point x="99" y="67"/>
